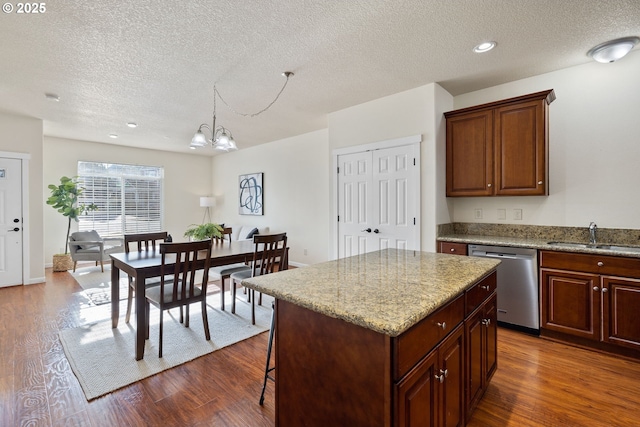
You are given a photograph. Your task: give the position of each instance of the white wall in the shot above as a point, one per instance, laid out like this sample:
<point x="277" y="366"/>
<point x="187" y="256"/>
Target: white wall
<point x="594" y="148"/>
<point x="296" y="185"/>
<point x="24" y="135"/>
<point x="186" y="178"/>
<point x="413" y="112"/>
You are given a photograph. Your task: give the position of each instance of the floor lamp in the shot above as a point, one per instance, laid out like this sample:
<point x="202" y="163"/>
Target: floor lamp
<point x="208" y="203"/>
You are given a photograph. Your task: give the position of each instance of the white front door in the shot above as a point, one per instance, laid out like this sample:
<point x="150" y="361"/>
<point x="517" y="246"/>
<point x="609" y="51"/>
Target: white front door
<point x="377" y="202"/>
<point x="10" y="222"/>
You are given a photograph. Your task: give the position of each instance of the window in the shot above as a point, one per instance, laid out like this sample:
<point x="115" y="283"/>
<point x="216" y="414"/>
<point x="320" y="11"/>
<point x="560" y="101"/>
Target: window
<point x="129" y="198"/>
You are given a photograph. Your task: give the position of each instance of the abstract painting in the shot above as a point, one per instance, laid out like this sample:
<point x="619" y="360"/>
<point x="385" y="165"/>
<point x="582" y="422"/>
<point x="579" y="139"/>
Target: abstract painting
<point x="251" y="194"/>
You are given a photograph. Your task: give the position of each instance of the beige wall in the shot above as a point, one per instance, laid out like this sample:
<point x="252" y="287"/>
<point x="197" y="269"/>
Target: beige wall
<point x="296" y="185"/>
<point x="186" y="178"/>
<point x="24" y="135"/>
<point x="413" y="112"/>
<point x="594" y="148"/>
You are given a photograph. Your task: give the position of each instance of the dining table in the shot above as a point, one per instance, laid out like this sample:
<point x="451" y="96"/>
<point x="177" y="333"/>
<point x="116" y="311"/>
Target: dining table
<point x="144" y="265"/>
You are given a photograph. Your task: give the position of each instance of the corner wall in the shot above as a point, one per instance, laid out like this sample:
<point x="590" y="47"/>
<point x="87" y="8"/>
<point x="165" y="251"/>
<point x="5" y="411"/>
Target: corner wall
<point x="296" y="185"/>
<point x="594" y="148"/>
<point x="21" y="134"/>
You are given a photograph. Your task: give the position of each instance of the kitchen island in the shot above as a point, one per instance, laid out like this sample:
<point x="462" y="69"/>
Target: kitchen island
<point x="380" y="339"/>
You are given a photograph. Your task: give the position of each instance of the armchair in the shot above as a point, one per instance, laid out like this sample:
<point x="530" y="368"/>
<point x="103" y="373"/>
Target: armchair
<point x="89" y="246"/>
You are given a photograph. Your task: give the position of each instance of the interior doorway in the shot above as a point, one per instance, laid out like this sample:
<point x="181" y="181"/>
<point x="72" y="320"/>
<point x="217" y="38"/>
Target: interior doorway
<point x="378" y="197"/>
<point x="11" y="222"/>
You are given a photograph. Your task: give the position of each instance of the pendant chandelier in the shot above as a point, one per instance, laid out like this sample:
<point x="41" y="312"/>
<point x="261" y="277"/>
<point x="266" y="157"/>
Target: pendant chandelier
<point x="221" y="138"/>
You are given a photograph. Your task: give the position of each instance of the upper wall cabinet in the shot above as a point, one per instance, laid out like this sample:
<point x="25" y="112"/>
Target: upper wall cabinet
<point x="500" y="148"/>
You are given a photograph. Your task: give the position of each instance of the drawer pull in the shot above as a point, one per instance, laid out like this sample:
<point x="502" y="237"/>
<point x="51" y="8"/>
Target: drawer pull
<point x="486" y="322"/>
<point x="600" y="264"/>
<point x="452" y="249"/>
<point x="439" y="378"/>
<point x="444" y="372"/>
<point x="605" y="290"/>
<point x="443" y="325"/>
<point x="485" y="287"/>
<point x="595" y="288"/>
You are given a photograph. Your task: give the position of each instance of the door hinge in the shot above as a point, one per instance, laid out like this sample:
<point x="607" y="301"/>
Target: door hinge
<point x="338" y="218"/>
<point x="414" y="220"/>
<point x="338" y="170"/>
<point x="414" y="161"/>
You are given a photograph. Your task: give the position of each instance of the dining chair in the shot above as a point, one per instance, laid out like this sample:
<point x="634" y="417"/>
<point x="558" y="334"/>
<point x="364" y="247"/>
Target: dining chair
<point x="269" y="255"/>
<point x="141" y="242"/>
<point x="224" y="272"/>
<point x="182" y="282"/>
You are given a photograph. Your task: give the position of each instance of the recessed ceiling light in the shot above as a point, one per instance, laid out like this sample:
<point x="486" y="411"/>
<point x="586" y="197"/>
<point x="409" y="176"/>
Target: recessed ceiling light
<point x="52" y="97"/>
<point x="113" y="135"/>
<point x="132" y="125"/>
<point x="484" y="47"/>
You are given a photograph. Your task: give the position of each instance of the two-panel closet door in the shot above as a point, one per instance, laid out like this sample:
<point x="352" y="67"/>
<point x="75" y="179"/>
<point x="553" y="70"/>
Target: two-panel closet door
<point x="377" y="207"/>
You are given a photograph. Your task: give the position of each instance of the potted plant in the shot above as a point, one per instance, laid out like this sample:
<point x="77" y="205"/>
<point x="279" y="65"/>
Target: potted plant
<point x="204" y="231"/>
<point x="64" y="198"/>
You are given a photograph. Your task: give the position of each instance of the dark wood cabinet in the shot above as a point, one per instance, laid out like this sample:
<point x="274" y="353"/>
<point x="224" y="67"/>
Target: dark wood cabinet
<point x="593" y="297"/>
<point x="452" y="248"/>
<point x="500" y="148"/>
<point x="432" y="394"/>
<point x="481" y="335"/>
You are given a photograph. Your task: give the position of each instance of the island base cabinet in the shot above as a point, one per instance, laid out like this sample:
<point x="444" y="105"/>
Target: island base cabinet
<point x="481" y="333"/>
<point x="432" y="393"/>
<point x="329" y="372"/>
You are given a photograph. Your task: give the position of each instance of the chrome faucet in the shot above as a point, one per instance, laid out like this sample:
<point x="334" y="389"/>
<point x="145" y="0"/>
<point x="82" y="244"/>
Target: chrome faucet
<point x="593" y="228"/>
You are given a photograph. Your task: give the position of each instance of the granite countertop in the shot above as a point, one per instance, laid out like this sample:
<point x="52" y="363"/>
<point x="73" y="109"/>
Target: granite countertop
<point x="387" y="291"/>
<point x="537" y="243"/>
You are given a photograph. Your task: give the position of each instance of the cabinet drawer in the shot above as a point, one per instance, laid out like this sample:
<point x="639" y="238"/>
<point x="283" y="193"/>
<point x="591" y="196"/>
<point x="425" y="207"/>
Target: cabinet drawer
<point x="421" y="338"/>
<point x="589" y="263"/>
<point x="453" y="248"/>
<point x="482" y="290"/>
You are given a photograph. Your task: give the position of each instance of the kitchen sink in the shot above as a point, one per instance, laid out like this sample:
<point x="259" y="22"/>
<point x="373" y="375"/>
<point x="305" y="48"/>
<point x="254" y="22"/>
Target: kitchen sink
<point x="619" y="248"/>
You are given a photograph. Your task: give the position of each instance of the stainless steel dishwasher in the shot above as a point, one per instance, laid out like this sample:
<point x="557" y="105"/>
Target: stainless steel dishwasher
<point x="517" y="285"/>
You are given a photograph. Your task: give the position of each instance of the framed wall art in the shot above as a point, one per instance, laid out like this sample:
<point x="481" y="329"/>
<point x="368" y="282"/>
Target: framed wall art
<point x="251" y="192"/>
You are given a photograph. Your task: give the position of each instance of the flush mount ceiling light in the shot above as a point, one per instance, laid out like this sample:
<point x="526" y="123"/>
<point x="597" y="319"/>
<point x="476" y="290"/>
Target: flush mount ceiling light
<point x="113" y="135"/>
<point x="221" y="138"/>
<point x="484" y="47"/>
<point x="613" y="50"/>
<point x="132" y="125"/>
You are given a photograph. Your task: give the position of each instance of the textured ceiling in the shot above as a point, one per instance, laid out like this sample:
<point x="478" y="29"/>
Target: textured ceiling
<point x="155" y="62"/>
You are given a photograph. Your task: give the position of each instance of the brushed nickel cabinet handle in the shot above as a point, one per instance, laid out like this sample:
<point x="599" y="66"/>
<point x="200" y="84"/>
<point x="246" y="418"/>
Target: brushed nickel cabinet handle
<point x="443" y="325"/>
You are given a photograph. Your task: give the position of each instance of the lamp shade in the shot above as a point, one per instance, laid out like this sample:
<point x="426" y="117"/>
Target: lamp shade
<point x="207" y="202"/>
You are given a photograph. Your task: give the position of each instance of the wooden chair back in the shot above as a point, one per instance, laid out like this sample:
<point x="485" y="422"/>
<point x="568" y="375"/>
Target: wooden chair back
<point x="184" y="275"/>
<point x="269" y="254"/>
<point x="226" y="235"/>
<point x="144" y="241"/>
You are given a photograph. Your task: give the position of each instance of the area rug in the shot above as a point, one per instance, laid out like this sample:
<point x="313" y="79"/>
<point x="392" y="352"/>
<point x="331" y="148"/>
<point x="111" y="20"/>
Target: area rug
<point x="96" y="284"/>
<point x="103" y="359"/>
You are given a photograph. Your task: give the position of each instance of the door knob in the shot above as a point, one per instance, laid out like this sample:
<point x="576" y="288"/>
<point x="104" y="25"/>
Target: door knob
<point x="368" y="230"/>
<point x="376" y="231"/>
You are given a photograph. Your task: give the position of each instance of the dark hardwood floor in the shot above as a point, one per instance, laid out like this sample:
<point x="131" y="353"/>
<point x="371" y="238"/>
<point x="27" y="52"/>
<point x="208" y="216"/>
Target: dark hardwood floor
<point x="538" y="382"/>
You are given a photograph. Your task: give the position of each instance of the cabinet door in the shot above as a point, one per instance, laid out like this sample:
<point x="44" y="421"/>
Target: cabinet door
<point x="475" y="359"/>
<point x="470" y="154"/>
<point x="490" y="323"/>
<point x="620" y="308"/>
<point x="417" y="395"/>
<point x="520" y="149"/>
<point x="571" y="303"/>
<point x="451" y="366"/>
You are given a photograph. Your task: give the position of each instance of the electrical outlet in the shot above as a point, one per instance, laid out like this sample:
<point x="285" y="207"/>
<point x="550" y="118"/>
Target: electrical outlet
<point x="477" y="213"/>
<point x="517" y="214"/>
<point x="502" y="214"/>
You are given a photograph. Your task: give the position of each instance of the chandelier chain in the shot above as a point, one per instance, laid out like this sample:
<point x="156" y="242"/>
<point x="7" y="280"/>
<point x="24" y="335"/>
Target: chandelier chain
<point x="215" y="92"/>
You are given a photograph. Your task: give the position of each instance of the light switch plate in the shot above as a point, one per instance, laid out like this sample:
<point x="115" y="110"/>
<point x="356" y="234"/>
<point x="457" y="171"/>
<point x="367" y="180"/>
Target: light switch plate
<point x="517" y="214"/>
<point x="477" y="213"/>
<point x="502" y="214"/>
